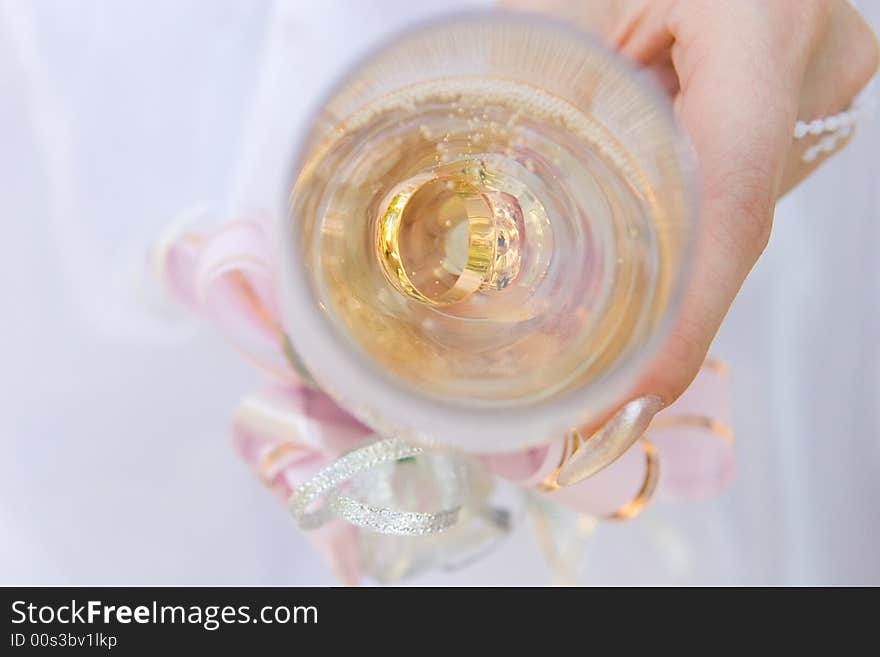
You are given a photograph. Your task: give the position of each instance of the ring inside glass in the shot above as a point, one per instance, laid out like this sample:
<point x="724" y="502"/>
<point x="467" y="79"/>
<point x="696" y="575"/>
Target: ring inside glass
<point x="492" y="221"/>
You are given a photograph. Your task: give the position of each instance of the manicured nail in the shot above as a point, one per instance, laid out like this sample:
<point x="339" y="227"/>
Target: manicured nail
<point x="610" y="441"/>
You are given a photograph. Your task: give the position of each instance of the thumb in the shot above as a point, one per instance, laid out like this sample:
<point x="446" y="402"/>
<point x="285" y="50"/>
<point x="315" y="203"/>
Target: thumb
<point x="738" y="107"/>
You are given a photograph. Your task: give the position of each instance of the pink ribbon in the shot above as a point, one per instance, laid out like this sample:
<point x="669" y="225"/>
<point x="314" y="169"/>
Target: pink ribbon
<point x="228" y="275"/>
<point x="286" y="434"/>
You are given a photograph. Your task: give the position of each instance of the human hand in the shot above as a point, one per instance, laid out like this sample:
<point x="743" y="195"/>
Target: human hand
<point x="740" y="75"/>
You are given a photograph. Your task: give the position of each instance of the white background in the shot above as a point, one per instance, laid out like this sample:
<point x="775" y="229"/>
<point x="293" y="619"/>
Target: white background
<point x="115" y="463"/>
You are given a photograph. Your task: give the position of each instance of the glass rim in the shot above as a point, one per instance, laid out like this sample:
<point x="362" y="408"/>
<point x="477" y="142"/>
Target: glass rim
<point x="392" y="407"/>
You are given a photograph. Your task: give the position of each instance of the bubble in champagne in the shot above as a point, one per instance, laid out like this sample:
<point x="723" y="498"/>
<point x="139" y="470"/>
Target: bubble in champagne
<point x="491" y="214"/>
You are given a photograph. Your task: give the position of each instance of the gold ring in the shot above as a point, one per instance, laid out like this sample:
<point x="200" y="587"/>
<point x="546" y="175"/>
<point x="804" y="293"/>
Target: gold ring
<point x="652" y="475"/>
<point x="724" y="432"/>
<point x="636" y="505"/>
<point x="480" y="240"/>
<point x="572" y="442"/>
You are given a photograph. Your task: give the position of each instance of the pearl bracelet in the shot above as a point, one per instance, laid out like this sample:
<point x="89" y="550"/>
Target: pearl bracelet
<point x="834" y="128"/>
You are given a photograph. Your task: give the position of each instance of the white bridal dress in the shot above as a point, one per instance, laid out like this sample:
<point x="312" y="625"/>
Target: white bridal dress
<point x="115" y="463"/>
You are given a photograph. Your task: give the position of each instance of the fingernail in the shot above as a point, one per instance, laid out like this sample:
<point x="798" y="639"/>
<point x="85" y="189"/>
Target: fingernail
<point x="610" y="441"/>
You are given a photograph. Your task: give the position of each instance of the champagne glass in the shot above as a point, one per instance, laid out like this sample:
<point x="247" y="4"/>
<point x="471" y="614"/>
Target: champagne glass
<point x="488" y="232"/>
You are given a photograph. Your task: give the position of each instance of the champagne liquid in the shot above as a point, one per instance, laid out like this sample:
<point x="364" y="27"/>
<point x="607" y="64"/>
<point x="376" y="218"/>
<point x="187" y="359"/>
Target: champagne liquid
<point x="558" y="223"/>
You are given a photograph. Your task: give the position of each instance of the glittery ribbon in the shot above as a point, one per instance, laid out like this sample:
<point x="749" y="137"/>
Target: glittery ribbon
<point x="306" y="449"/>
